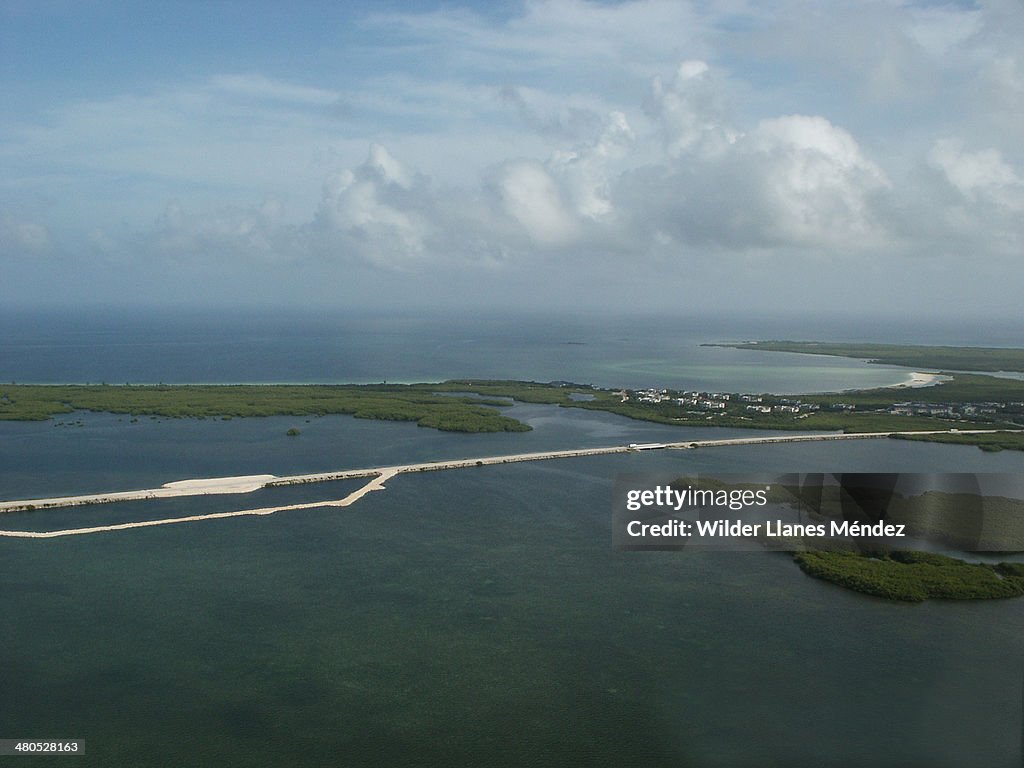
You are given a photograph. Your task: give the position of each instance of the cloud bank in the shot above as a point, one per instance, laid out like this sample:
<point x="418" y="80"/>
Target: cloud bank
<point x="618" y="148"/>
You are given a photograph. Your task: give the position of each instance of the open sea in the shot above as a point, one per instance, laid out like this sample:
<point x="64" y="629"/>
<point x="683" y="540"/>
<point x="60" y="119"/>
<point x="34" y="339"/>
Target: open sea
<point x="474" y="617"/>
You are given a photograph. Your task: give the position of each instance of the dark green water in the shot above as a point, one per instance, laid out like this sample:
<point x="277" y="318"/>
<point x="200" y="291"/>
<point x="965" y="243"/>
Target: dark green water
<point x="470" y="618"/>
<point x="477" y="617"/>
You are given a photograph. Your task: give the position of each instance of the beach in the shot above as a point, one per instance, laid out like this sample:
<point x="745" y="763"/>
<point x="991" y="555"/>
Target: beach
<point x="919" y="379"/>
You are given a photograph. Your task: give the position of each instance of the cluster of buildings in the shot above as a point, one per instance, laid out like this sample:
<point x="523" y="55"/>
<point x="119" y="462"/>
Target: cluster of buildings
<point x="953" y="410"/>
<point x="720" y="402"/>
<point x="645" y="395"/>
<point x="783" y="406"/>
<point x="705" y="401"/>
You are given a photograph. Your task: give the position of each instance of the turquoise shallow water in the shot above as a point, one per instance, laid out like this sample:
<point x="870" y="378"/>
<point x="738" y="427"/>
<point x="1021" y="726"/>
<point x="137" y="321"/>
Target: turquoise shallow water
<point x="476" y="617"/>
<point x="609" y="351"/>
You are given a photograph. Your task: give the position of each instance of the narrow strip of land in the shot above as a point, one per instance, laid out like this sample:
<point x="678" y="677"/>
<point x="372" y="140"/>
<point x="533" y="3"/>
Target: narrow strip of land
<point x="911" y="355"/>
<point x="250" y="483"/>
<point x="377" y="484"/>
<point x="963" y="400"/>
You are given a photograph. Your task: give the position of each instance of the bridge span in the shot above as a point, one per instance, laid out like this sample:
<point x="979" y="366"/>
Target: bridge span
<point x="249" y="483"/>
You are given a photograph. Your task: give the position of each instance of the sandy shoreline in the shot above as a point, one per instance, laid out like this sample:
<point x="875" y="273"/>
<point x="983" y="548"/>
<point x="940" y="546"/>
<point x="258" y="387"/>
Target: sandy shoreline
<point x="919" y="379"/>
<point x="376" y="484"/>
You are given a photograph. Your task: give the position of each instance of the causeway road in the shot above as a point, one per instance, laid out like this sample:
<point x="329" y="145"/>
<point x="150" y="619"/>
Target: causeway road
<point x="249" y="483"/>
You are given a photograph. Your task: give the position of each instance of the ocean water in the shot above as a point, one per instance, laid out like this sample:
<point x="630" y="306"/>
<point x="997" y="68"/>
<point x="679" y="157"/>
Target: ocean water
<point x="473" y="617"/>
<point x="197" y="347"/>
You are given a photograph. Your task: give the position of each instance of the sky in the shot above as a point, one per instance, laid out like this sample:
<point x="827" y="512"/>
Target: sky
<point x="707" y="156"/>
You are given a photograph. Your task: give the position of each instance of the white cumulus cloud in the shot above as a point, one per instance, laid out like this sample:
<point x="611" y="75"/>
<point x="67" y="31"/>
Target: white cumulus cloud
<point x="979" y="175"/>
<point x="375" y="213"/>
<point x="815" y="178"/>
<point x="691" y="110"/>
<point x="530" y="196"/>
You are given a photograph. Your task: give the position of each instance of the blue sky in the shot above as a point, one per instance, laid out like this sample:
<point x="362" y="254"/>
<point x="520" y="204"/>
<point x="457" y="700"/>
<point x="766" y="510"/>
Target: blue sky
<point x="698" y="155"/>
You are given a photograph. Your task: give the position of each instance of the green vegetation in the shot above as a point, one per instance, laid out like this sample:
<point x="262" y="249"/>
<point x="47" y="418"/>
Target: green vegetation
<point x="914" y="576"/>
<point x="949" y="358"/>
<point x="966" y="401"/>
<point x="471" y="406"/>
<point x="961" y="388"/>
<point x="523" y="391"/>
<point x="855" y="411"/>
<point x="907" y="575"/>
<point x="734" y="417"/>
<point x="1002" y="441"/>
<point x="954" y="518"/>
<point x="420" y="403"/>
<point x="293" y="432"/>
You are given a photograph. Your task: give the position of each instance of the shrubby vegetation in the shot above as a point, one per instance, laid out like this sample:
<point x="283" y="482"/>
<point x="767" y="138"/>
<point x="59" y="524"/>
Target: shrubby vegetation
<point x="914" y="576"/>
<point x="663" y="413"/>
<point x="1006" y="441"/>
<point x="423" y="404"/>
<point x="961" y="388"/>
<point x="472" y="405"/>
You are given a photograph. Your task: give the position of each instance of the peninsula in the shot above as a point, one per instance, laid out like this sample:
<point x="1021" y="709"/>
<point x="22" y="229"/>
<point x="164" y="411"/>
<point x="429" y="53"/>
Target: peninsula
<point x="950" y="409"/>
<point x="910" y="355"/>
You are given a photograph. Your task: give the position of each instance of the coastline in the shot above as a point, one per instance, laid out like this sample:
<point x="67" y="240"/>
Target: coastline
<point x="918" y="379"/>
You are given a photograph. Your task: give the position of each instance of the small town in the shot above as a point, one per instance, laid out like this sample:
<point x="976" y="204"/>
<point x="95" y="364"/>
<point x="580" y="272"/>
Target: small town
<point x="709" y="404"/>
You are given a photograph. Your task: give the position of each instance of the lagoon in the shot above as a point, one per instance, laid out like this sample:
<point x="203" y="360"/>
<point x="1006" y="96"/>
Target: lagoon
<point x="471" y="617"/>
